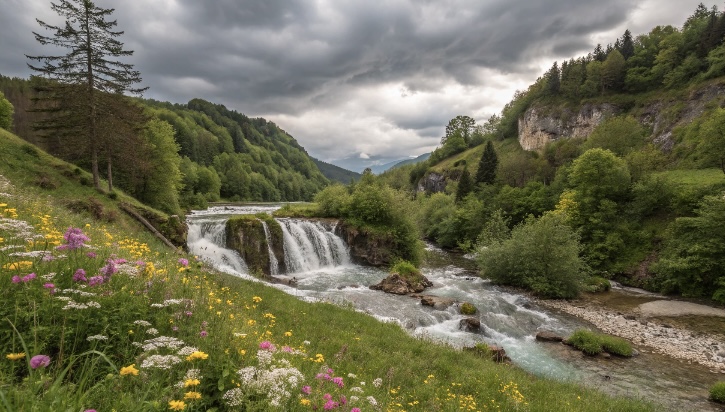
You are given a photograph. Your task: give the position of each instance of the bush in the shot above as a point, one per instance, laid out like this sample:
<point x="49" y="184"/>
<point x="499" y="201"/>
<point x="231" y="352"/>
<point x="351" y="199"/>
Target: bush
<point x="717" y="392"/>
<point x="586" y="341"/>
<point x="597" y="284"/>
<point x="592" y="343"/>
<point x="333" y="201"/>
<point x="407" y="271"/>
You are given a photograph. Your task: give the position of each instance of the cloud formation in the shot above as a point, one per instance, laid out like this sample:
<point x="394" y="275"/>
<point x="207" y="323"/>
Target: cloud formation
<point x="348" y="78"/>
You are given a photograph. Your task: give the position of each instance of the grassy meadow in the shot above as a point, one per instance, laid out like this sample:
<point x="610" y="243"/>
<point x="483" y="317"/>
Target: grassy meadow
<point x="98" y="315"/>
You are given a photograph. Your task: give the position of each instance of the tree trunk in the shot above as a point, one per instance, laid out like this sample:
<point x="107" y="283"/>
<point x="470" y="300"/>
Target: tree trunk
<point x="110" y="173"/>
<point x="92" y="123"/>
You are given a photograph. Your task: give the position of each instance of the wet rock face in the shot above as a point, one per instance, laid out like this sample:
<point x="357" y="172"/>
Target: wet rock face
<point x="546" y="336"/>
<point x="469" y="325"/>
<point x="433" y="183"/>
<point x="366" y="248"/>
<point x="436" y="302"/>
<point x="398" y="285"/>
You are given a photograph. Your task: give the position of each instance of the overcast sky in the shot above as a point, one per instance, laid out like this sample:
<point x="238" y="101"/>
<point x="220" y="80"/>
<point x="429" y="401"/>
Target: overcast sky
<point x="350" y="79"/>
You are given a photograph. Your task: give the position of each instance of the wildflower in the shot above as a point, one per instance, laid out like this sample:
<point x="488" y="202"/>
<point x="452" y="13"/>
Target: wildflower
<point x="306" y="390"/>
<point x="74" y="239"/>
<point x="338" y="381"/>
<point x="267" y="345"/>
<point x="330" y="405"/>
<point x="79" y="276"/>
<point x="96" y="337"/>
<point x="191" y="382"/>
<point x="319" y="358"/>
<point x="256" y="299"/>
<point x="152" y="331"/>
<point x="91" y="254"/>
<point x="38" y="361"/>
<point x="188" y="314"/>
<point x="304" y="401"/>
<point x="197" y="355"/>
<point x="160" y="361"/>
<point x="15" y="356"/>
<point x="288" y="333"/>
<point x="109" y="269"/>
<point x="95" y="280"/>
<point x="27" y="278"/>
<point x="192" y="395"/>
<point x="234" y="397"/>
<point x="129" y="370"/>
<point x="142" y="322"/>
<point x="177" y="405"/>
<point x="355" y="410"/>
<point x="16" y="279"/>
<point x="377" y="382"/>
<point x="183" y="262"/>
<point x="90" y="410"/>
<point x="203" y="333"/>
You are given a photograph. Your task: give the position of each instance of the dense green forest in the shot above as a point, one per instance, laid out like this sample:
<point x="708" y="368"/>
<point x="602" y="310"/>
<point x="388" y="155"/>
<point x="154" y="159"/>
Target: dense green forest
<point x="221" y="153"/>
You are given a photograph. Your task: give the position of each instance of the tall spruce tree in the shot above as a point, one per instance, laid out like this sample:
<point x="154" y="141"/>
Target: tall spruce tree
<point x="465" y="185"/>
<point x="86" y="77"/>
<point x="487" y="166"/>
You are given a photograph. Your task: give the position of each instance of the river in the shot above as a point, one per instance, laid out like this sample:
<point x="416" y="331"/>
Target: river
<point x="508" y="319"/>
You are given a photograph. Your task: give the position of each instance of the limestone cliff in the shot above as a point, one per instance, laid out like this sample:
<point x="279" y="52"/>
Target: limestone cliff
<point x="540" y="125"/>
<point x="245" y="234"/>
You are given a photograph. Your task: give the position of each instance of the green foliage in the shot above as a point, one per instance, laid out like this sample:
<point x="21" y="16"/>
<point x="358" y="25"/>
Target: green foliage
<point x="717" y="392"/>
<point x="712" y="135"/>
<point x="542" y="255"/>
<point x="595" y="284"/>
<point x="616" y="345"/>
<point x="465" y="185"/>
<point x="487" y="165"/>
<point x="693" y="261"/>
<point x="586" y="341"/>
<point x="620" y="135"/>
<point x="6" y="113"/>
<point x="333" y="201"/>
<point x="460" y="126"/>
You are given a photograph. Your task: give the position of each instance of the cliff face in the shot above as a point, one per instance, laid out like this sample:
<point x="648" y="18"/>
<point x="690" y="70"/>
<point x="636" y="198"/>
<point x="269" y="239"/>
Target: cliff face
<point x="432" y="183"/>
<point x="538" y="126"/>
<point x="366" y="248"/>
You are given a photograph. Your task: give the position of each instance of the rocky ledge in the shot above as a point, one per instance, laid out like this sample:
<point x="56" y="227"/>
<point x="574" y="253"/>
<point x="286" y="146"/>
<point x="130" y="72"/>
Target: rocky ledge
<point x="705" y="349"/>
<point x="399" y="285"/>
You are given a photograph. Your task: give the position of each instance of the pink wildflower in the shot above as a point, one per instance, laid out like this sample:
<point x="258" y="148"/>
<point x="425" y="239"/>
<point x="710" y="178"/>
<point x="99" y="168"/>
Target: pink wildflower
<point x="91" y="254"/>
<point x="306" y="390"/>
<point x="338" y="381"/>
<point x="27" y="278"/>
<point x="355" y="410"/>
<point x="183" y="262"/>
<point x="74" y="239"/>
<point x="95" y="280"/>
<point x="203" y="334"/>
<point x="39" y="360"/>
<point x="80" y="276"/>
<point x="16" y="279"/>
<point x="330" y="405"/>
<point x="266" y="345"/>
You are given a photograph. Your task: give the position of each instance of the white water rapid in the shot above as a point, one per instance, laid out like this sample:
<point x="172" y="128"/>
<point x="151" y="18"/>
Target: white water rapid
<point x="321" y="265"/>
<point x="273" y="264"/>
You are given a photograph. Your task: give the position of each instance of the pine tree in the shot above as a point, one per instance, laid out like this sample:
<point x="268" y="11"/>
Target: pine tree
<point x="487" y="166"/>
<point x="465" y="185"/>
<point x="627" y="45"/>
<point x="553" y="79"/>
<point x="83" y="79"/>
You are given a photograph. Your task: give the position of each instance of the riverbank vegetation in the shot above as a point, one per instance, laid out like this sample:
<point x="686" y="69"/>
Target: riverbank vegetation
<point x="169" y="333"/>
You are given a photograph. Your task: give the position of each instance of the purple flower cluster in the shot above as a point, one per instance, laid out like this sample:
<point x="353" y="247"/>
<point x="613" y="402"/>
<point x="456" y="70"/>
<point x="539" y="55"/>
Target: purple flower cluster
<point x="267" y="345"/>
<point x="95" y="280"/>
<point x="25" y="279"/>
<point x="38" y="361"/>
<point x="330" y="404"/>
<point x="74" y="239"/>
<point x="80" y="276"/>
<point x="328" y="377"/>
<point x="183" y="262"/>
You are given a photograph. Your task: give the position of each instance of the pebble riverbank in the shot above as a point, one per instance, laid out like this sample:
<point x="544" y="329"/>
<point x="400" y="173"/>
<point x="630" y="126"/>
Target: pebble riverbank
<point x="705" y="349"/>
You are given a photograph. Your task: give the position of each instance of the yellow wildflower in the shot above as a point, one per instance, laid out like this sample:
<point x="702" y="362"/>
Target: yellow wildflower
<point x="304" y="401"/>
<point x="288" y="333"/>
<point x="177" y="405"/>
<point x="191" y="382"/>
<point x="256" y="299"/>
<point x="23" y="264"/>
<point x="15" y="356"/>
<point x="129" y="370"/>
<point x="197" y="355"/>
<point x="192" y="395"/>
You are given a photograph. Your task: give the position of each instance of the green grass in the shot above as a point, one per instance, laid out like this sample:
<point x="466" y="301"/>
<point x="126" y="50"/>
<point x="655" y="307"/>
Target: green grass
<point x="717" y="392"/>
<point x="227" y="318"/>
<point x="694" y="177"/>
<point x="592" y="343"/>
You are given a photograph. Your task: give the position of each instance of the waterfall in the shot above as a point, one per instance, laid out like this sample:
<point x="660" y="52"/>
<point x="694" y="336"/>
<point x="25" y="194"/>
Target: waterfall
<point x="309" y="246"/>
<point x="207" y="239"/>
<point x="273" y="264"/>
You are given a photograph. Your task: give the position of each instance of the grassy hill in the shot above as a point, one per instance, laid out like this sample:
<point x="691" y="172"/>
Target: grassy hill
<point x="97" y="314"/>
<point x="336" y="173"/>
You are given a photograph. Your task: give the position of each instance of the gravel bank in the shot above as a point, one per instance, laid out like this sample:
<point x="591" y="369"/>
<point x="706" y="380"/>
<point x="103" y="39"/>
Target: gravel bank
<point x="705" y="349"/>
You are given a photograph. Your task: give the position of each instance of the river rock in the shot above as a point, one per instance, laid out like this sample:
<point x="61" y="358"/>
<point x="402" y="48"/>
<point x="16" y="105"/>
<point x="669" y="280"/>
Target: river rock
<point x="398" y="285"/>
<point x="499" y="354"/>
<point x="469" y="325"/>
<point x="547" y="336"/>
<point x="436" y="302"/>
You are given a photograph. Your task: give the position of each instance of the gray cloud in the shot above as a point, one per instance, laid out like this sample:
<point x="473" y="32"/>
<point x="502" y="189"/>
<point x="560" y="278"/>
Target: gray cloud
<point x="327" y="67"/>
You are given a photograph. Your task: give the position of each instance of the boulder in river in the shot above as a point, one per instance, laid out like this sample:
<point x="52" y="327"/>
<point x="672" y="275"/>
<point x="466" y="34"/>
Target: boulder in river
<point x="469" y="325"/>
<point x="548" y="336"/>
<point x="436" y="302"/>
<point x="399" y="285"/>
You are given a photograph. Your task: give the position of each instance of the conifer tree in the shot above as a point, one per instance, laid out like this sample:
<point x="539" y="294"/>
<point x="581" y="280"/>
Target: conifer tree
<point x="85" y="77"/>
<point x="487" y="166"/>
<point x="627" y="45"/>
<point x="465" y="185"/>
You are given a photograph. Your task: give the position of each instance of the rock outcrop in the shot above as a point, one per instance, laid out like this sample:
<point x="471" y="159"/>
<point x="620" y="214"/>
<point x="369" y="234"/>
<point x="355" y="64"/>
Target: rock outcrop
<point x="547" y="336"/>
<point x="245" y="234"/>
<point x="469" y="325"/>
<point x="366" y="248"/>
<point x="436" y="302"/>
<point x="398" y="285"/>
<point x="432" y="183"/>
<point x="539" y="126"/>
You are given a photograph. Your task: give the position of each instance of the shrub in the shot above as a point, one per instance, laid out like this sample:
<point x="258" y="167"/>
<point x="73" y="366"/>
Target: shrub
<point x="586" y="341"/>
<point x="597" y="284"/>
<point x="717" y="392"/>
<point x="468" y="309"/>
<point x="615" y="345"/>
<point x="333" y="201"/>
<point x="592" y="343"/>
<point x="408" y="271"/>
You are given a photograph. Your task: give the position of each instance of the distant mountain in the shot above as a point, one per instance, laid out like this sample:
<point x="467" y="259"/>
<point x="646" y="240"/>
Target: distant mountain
<point x="336" y="173"/>
<point x="418" y="159"/>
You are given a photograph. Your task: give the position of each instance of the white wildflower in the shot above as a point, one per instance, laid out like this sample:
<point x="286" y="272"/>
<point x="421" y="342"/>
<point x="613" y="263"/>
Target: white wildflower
<point x="152" y="331"/>
<point x="187" y="350"/>
<point x="161" y="342"/>
<point x="372" y="401"/>
<point x="142" y="323"/>
<point x="352" y="375"/>
<point x="160" y="361"/>
<point x="234" y="397"/>
<point x="193" y="374"/>
<point x="377" y="382"/>
<point x="354" y="399"/>
<point x="96" y="337"/>
<point x="356" y="389"/>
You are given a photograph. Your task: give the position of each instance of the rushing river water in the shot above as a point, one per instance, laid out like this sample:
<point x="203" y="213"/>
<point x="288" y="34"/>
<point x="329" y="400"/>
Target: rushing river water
<point x="321" y="267"/>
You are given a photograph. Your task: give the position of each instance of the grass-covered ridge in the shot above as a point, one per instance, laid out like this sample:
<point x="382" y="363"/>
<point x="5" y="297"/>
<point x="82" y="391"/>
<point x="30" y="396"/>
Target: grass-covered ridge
<point x="114" y="320"/>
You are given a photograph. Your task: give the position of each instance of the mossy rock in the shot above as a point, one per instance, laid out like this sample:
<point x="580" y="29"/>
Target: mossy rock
<point x="468" y="309"/>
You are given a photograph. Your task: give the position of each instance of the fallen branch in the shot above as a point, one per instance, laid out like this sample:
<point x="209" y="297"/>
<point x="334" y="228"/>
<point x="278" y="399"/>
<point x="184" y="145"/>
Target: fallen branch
<point x="128" y="209"/>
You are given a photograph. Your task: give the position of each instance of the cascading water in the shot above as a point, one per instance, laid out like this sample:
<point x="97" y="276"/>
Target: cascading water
<point x="309" y="246"/>
<point x="320" y="263"/>
<point x="273" y="264"/>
